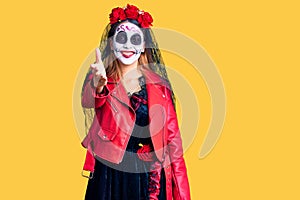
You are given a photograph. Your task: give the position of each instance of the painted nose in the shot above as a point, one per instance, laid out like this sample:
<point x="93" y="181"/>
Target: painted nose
<point x="127" y="44"/>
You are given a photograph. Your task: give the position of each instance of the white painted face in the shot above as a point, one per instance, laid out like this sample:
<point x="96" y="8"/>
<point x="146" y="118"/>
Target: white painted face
<point x="128" y="43"/>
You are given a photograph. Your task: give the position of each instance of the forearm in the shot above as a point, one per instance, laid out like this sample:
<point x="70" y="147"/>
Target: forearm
<point x="93" y="97"/>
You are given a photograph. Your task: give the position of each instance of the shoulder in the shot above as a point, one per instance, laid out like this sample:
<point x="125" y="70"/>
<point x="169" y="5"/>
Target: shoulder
<point x="158" y="85"/>
<point x="153" y="78"/>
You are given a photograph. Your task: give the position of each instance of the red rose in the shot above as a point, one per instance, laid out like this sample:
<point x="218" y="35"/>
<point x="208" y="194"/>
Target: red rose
<point x="116" y="15"/>
<point x="145" y="20"/>
<point x="131" y="11"/>
<point x="145" y="153"/>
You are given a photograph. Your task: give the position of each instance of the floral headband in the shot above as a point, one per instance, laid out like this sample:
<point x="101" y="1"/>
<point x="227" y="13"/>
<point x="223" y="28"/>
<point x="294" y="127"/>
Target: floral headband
<point x="131" y="12"/>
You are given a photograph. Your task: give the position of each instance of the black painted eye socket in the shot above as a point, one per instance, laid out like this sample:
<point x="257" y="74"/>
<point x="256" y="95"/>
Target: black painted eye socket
<point x="136" y="39"/>
<point x="121" y="37"/>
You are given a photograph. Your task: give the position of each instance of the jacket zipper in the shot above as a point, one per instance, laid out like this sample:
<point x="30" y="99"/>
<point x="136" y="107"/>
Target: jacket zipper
<point x="131" y="129"/>
<point x="112" y="105"/>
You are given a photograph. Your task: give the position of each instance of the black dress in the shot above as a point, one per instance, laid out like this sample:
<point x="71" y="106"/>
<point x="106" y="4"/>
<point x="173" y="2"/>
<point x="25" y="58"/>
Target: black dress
<point x="131" y="179"/>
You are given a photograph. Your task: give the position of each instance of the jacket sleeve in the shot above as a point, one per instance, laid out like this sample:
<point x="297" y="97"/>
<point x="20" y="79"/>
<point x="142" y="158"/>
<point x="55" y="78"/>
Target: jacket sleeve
<point x="181" y="190"/>
<point x="90" y="98"/>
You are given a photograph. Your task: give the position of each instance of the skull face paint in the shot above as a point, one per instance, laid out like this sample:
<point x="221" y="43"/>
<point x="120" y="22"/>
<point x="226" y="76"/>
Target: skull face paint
<point x="128" y="43"/>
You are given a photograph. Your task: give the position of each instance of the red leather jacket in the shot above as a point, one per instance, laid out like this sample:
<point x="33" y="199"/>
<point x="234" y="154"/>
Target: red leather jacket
<point x="114" y="122"/>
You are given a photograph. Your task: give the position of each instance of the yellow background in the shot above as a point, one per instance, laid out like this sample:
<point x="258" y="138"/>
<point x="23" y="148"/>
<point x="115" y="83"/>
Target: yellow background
<point x="255" y="45"/>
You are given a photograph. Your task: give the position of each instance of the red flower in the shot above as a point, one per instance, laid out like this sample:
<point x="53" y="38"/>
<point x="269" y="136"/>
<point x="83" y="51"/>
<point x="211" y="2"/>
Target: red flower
<point x="145" y="153"/>
<point x="145" y="20"/>
<point x="131" y="11"/>
<point x="116" y="15"/>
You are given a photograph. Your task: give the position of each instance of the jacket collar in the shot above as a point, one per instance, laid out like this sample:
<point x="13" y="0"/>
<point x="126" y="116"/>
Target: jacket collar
<point x="153" y="83"/>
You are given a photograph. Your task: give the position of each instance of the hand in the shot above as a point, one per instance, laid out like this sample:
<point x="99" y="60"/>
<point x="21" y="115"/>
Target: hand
<point x="98" y="70"/>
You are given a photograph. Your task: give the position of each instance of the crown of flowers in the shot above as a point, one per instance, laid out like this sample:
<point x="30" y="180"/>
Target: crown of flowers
<point x="131" y="12"/>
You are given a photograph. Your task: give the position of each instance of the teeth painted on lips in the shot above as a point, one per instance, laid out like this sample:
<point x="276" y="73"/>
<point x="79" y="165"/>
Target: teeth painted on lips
<point x="127" y="53"/>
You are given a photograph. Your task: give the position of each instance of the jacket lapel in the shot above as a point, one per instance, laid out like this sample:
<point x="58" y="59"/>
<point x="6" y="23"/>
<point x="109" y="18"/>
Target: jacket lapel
<point x="118" y="91"/>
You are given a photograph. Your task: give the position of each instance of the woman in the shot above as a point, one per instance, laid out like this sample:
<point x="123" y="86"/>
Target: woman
<point x="134" y="143"/>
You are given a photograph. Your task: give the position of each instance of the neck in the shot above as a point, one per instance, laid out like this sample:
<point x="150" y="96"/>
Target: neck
<point x="130" y="71"/>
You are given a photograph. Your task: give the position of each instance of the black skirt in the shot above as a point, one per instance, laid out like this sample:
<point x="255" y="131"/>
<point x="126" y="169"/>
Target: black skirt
<point x="130" y="179"/>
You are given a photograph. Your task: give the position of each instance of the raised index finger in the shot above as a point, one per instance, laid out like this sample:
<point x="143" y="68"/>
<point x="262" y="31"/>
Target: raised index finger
<point x="98" y="55"/>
